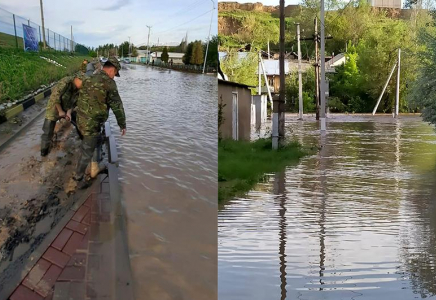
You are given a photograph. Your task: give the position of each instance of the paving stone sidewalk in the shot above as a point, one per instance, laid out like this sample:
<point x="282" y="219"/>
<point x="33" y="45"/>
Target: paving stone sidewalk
<point x="81" y="261"/>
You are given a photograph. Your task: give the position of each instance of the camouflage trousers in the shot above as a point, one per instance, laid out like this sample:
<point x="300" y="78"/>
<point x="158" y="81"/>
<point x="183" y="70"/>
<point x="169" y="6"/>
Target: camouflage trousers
<point x="89" y="150"/>
<point x="46" y="137"/>
<point x="48" y="131"/>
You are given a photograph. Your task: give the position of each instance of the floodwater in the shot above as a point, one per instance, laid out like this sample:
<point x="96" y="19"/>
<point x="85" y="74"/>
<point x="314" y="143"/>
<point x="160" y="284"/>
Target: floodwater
<point x="357" y="220"/>
<point x="168" y="166"/>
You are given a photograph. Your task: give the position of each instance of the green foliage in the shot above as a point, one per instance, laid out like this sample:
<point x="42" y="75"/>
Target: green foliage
<point x="336" y="106"/>
<point x="242" y="164"/>
<point x="308" y="78"/>
<point x="423" y="91"/>
<point x="92" y="53"/>
<point x="108" y="50"/>
<point x="256" y="28"/>
<point x="197" y="57"/>
<point x="370" y="36"/>
<point x="212" y="53"/>
<point x="188" y="54"/>
<point x="241" y="70"/>
<point x="23" y="72"/>
<point x="164" y="56"/>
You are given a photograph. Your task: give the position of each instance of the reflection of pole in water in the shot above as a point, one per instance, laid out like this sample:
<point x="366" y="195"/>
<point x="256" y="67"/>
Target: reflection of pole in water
<point x="279" y="189"/>
<point x="397" y="155"/>
<point x="322" y="170"/>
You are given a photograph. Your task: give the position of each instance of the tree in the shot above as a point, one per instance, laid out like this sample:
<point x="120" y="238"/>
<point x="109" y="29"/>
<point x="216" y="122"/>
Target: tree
<point x="164" y="57"/>
<point x="212" y="54"/>
<point x="197" y="57"/>
<point x="134" y="51"/>
<point x="241" y="70"/>
<point x="92" y="53"/>
<point x="423" y="92"/>
<point x="188" y="54"/>
<point x="123" y="49"/>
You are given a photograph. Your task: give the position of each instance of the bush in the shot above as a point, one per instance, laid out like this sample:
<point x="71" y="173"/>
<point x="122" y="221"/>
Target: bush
<point x="336" y="106"/>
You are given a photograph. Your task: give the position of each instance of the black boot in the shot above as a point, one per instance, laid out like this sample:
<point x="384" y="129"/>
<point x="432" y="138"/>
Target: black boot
<point x="48" y="129"/>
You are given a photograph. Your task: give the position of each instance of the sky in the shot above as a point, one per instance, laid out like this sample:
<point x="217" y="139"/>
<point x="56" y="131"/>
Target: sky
<point x="266" y="2"/>
<point x="99" y="22"/>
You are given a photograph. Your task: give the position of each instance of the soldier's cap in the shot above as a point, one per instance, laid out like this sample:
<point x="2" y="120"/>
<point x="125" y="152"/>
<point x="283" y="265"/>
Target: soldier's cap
<point x="114" y="62"/>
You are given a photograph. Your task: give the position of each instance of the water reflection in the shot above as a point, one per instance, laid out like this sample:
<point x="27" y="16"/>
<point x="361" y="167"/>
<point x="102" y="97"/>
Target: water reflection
<point x="354" y="221"/>
<point x="279" y="190"/>
<point x="169" y="180"/>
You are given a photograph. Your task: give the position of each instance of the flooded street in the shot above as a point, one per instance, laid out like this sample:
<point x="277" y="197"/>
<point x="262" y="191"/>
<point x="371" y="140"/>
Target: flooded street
<point x="168" y="169"/>
<point x="356" y="220"/>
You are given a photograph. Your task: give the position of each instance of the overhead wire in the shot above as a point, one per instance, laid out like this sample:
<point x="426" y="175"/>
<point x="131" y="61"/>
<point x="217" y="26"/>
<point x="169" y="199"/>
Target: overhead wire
<point x="184" y="9"/>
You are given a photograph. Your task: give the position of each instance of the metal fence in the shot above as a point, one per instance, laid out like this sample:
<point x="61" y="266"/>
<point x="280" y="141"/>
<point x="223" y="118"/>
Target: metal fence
<point x="11" y="34"/>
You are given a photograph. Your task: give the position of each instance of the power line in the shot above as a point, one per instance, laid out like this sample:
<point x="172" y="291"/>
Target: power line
<point x="186" y="21"/>
<point x="339" y="14"/>
<point x="178" y="12"/>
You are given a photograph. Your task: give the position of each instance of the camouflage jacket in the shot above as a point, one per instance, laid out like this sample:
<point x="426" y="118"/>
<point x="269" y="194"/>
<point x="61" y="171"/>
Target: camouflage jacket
<point x="98" y="93"/>
<point x="65" y="94"/>
<point x="83" y="67"/>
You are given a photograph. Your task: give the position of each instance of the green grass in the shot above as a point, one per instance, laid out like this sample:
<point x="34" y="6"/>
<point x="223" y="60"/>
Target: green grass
<point x="8" y="41"/>
<point x="23" y="72"/>
<point x="242" y="164"/>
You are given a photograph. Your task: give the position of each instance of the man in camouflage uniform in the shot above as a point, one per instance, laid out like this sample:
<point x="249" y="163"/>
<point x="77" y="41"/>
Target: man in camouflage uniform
<point x="92" y="67"/>
<point x="98" y="93"/>
<point x="83" y="66"/>
<point x="62" y="100"/>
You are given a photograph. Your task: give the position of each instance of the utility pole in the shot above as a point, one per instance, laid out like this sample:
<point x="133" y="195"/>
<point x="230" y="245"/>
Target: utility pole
<point x="278" y="104"/>
<point x="208" y="39"/>
<point x="300" y="79"/>
<point x="268" y="51"/>
<point x="71" y="39"/>
<point x="42" y="23"/>
<point x="397" y="98"/>
<point x="316" y="69"/>
<point x="322" y="84"/>
<point x="148" y="44"/>
<point x="259" y="92"/>
<point x="130" y="52"/>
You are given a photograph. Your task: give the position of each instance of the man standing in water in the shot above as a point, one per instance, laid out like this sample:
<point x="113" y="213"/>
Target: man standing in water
<point x="59" y="106"/>
<point x="98" y="93"/>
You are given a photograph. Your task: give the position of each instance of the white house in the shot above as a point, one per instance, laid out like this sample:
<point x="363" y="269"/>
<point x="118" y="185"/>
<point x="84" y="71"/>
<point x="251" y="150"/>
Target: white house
<point x="336" y="61"/>
<point x="176" y="57"/>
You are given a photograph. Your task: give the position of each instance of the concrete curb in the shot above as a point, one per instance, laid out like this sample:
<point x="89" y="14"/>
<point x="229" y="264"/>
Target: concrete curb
<point x="25" y="104"/>
<point x="124" y="281"/>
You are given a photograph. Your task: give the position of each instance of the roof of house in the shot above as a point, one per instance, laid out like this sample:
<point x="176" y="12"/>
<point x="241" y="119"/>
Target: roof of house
<point x="220" y="81"/>
<point x="336" y="60"/>
<point x="241" y="55"/>
<point x="272" y="66"/>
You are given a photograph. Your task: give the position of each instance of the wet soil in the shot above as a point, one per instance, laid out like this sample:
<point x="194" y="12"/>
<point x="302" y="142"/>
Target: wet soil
<point x="35" y="191"/>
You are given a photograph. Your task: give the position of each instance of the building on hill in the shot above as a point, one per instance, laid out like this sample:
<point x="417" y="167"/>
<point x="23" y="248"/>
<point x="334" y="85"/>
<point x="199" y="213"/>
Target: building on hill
<point x="386" y="3"/>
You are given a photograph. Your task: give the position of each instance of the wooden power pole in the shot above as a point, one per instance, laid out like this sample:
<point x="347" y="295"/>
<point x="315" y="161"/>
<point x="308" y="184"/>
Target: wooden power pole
<point x="42" y="23"/>
<point x="278" y="104"/>
<point x="316" y="69"/>
<point x="322" y="81"/>
<point x="300" y="79"/>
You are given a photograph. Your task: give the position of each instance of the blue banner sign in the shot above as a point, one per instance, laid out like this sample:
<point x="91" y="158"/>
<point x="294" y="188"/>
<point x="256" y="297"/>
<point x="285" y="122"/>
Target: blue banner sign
<point x="30" y="37"/>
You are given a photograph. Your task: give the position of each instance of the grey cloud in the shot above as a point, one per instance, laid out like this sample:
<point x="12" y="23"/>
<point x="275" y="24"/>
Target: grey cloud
<point x="117" y="5"/>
